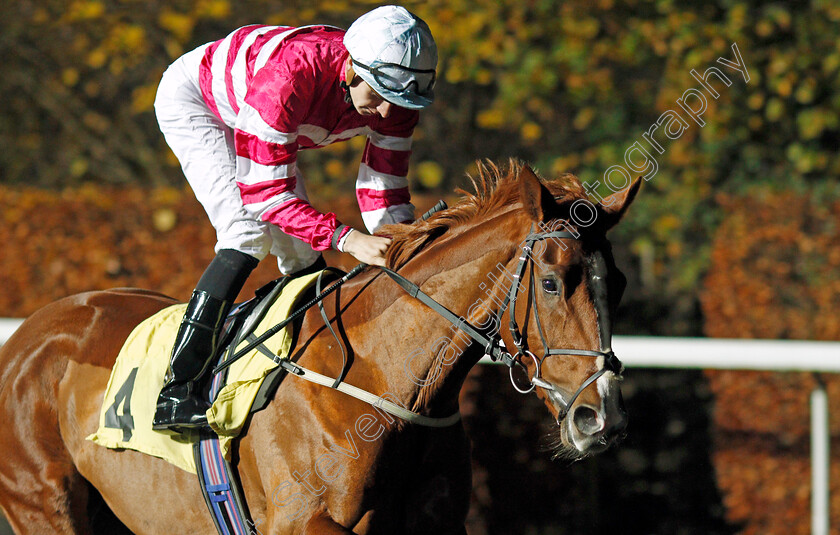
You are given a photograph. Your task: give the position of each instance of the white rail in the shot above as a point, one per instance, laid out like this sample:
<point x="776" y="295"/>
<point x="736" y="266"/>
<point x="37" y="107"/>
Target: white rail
<point x="726" y="354"/>
<point x="7" y="327"/>
<point x="738" y="354"/>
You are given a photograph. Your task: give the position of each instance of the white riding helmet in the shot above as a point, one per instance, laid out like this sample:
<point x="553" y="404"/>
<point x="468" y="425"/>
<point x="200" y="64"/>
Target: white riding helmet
<point x="394" y="52"/>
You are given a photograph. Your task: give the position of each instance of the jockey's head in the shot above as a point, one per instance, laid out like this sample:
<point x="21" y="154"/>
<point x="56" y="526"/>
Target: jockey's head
<point x="393" y="52"/>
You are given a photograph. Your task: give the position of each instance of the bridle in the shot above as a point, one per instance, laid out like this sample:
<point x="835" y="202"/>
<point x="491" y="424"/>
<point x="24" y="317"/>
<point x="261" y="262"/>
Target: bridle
<point x="494" y="346"/>
<point x="597" y="275"/>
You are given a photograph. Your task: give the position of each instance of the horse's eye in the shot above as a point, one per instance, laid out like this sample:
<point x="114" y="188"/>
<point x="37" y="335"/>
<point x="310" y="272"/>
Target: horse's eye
<point x="549" y="286"/>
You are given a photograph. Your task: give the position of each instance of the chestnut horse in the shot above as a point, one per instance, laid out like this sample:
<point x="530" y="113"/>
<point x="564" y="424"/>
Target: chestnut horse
<point x="317" y="461"/>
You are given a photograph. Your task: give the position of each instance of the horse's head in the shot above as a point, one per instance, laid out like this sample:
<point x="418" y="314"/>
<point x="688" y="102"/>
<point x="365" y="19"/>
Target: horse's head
<point x="553" y="240"/>
<point x="569" y="288"/>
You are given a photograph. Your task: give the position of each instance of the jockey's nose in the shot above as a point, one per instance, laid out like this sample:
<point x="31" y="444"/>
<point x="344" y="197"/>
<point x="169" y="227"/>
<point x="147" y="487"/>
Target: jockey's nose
<point x="384" y="109"/>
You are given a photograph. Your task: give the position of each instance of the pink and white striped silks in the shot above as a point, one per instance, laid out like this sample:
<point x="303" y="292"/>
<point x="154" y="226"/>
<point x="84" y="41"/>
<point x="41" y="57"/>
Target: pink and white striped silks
<point x="236" y="111"/>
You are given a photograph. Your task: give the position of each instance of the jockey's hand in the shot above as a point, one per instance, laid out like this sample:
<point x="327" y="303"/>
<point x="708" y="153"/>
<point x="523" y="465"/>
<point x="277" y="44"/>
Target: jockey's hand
<point x="366" y="248"/>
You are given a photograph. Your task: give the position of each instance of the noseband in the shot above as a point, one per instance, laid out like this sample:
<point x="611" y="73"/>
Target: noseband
<point x="493" y="345"/>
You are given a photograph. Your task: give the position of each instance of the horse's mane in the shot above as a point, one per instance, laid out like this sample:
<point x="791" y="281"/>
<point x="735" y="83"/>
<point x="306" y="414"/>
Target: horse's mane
<point x="494" y="187"/>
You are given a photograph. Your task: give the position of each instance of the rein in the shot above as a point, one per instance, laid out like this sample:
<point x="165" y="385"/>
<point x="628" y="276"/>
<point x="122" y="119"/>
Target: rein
<point x="256" y="342"/>
<point x="492" y="343"/>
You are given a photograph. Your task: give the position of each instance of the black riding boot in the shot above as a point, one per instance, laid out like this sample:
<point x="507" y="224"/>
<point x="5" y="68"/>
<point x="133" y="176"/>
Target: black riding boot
<point x="180" y="404"/>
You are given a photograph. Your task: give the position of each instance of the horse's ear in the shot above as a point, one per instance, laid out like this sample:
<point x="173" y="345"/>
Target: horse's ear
<point x="536" y="199"/>
<point x="616" y="204"/>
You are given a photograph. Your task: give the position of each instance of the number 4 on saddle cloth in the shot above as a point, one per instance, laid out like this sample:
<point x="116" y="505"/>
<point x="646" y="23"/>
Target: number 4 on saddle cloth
<point x="125" y="420"/>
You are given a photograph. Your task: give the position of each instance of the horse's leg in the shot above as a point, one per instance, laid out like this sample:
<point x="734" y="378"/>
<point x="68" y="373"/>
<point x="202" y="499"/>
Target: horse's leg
<point x="323" y="524"/>
<point x="40" y="489"/>
<point x="438" y="502"/>
<point x="56" y="503"/>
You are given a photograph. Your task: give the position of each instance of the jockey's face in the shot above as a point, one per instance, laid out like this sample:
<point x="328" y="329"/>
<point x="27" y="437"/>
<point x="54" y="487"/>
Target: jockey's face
<point x="365" y="99"/>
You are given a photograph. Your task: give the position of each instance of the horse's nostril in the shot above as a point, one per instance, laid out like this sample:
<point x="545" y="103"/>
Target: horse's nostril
<point x="588" y="421"/>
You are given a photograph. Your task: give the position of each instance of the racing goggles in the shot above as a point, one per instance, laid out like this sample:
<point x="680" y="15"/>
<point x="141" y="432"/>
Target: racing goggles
<point x="399" y="79"/>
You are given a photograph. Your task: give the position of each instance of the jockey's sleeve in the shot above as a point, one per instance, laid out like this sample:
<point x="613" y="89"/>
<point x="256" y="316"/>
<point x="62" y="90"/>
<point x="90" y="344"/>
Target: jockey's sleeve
<point x="265" y="137"/>
<point x="382" y="186"/>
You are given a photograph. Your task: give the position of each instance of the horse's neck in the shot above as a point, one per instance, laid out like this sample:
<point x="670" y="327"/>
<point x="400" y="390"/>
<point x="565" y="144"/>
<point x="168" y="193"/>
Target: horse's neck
<point x="429" y="359"/>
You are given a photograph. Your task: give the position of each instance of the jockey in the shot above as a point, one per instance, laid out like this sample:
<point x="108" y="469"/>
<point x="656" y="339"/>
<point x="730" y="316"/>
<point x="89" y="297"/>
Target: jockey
<point x="236" y="111"/>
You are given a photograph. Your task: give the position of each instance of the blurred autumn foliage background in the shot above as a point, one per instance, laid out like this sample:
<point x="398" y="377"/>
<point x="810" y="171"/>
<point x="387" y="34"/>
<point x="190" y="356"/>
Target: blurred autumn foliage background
<point x="736" y="234"/>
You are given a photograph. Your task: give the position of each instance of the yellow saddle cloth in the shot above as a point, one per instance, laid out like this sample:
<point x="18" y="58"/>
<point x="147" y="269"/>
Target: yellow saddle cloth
<point x="125" y="421"/>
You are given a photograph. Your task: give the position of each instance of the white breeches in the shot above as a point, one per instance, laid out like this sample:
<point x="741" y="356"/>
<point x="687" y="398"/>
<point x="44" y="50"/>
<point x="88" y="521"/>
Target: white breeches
<point x="204" y="146"/>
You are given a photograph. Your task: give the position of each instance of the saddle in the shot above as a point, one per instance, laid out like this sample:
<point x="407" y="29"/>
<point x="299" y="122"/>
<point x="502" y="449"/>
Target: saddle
<point x="241" y="389"/>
